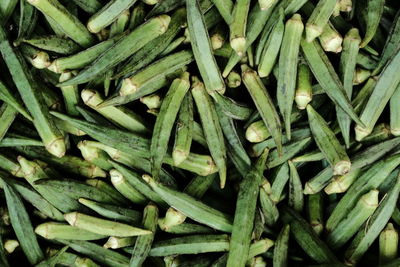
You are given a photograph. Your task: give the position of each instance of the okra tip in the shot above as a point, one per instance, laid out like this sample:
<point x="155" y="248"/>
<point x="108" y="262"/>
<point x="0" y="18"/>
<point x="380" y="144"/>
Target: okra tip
<point x="54" y="67"/>
<point x="41" y="60"/>
<point x="308" y="190"/>
<point x="302" y="99"/>
<point x="112" y="243"/>
<point x="342" y="167"/>
<point x="371" y="198"/>
<point x="164" y="21"/>
<point x="116" y="177"/>
<point x="334" y="187"/>
<point x="88" y="96"/>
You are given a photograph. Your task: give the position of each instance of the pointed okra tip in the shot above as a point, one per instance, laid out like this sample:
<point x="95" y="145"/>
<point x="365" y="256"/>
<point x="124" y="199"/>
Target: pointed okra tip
<point x="361" y="132"/>
<point x="128" y="87"/>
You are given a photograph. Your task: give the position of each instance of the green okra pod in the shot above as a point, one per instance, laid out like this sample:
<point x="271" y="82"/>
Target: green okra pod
<point x="238" y="26"/>
<point x="122" y="49"/>
<point x="303" y="92"/>
<point x="202" y="50"/>
<point x="245" y="212"/>
<point x="191" y="207"/>
<point x="326" y="76"/>
<point x="394" y="113"/>
<point x="319" y="18"/>
<point x="281" y="247"/>
<point x="103" y="227"/>
<point x="184" y="131"/>
<point x="53" y="230"/>
<point x="376" y="224"/>
<point x="264" y="104"/>
<point x="165" y="121"/>
<point x="327" y="142"/>
<point x="144" y="243"/>
<point x="288" y="59"/>
<point x="122" y="116"/>
<point x="370" y="13"/>
<point x="384" y="89"/>
<point x="296" y="200"/>
<point x="112" y="212"/>
<point x="211" y="126"/>
<point x="67" y="22"/>
<point x="364" y="208"/>
<point x="125" y="188"/>
<point x="54" y="44"/>
<point x="114" y="242"/>
<point x="32" y="98"/>
<point x="346" y="71"/>
<point x="388" y="244"/>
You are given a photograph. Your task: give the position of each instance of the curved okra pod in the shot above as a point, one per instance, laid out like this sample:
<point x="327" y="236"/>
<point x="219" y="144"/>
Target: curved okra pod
<point x="326" y="76"/>
<point x="191" y="207"/>
<point x="53" y="230"/>
<point x="272" y="46"/>
<point x="264" y="104"/>
<point x="103" y="227"/>
<point x="144" y="243"/>
<point x="184" y="131"/>
<point x="7" y="116"/>
<point x="27" y="21"/>
<point x="122" y="49"/>
<point x="211" y="126"/>
<point x="165" y="121"/>
<point x="69" y="24"/>
<point x="13" y="101"/>
<point x="327" y="142"/>
<point x="224" y="8"/>
<point x="32" y="97"/>
<point x="346" y="71"/>
<point x="39" y="59"/>
<point x="202" y="50"/>
<point x="370" y="12"/>
<point x="288" y="58"/>
<point x="244" y="214"/>
<point x="122" y="116"/>
<point x="238" y="26"/>
<point x="94" y="155"/>
<point x="384" y="89"/>
<point x="319" y="18"/>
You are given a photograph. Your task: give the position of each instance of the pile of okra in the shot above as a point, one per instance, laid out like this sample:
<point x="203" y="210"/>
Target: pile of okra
<point x="199" y="133"/>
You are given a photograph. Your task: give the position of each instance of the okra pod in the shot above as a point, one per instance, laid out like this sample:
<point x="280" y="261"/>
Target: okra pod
<point x="122" y="49"/>
<point x="125" y="188"/>
<point x="67" y="22"/>
<point x="264" y="104"/>
<point x="211" y="126"/>
<point x="165" y="121"/>
<point x="388" y="244"/>
<point x="184" y="131"/>
<point x="319" y="18"/>
<point x="103" y="227"/>
<point x="394" y="113"/>
<point x="238" y="26"/>
<point x="303" y="92"/>
<point x="288" y="59"/>
<point x="296" y="200"/>
<point x="52" y="230"/>
<point x="202" y="50"/>
<point x="280" y="258"/>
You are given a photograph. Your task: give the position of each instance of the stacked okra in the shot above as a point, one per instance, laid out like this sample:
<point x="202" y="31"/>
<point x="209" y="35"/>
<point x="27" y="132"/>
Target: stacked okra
<point x="199" y="133"/>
